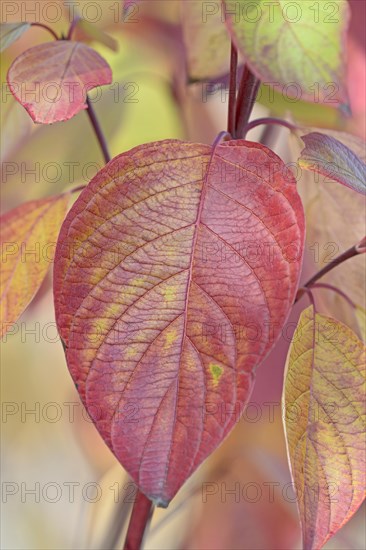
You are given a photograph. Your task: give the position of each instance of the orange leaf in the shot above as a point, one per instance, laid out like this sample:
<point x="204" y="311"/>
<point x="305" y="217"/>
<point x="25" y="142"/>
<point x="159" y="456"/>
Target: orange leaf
<point x="28" y="239"/>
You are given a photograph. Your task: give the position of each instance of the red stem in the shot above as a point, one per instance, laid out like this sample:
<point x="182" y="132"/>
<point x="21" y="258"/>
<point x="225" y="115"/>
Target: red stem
<point x="337" y="290"/>
<point x="309" y="294"/>
<point x="47" y="28"/>
<point x="247" y="94"/>
<point x="222" y="136"/>
<point x="232" y="90"/>
<point x="350" y="253"/>
<point x="267" y="120"/>
<point x="98" y="131"/>
<point x="72" y="27"/>
<point x="76" y="189"/>
<point x="139" y="521"/>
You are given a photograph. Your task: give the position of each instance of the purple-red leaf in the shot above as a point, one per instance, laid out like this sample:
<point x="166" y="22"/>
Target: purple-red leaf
<point x="28" y="238"/>
<point x="52" y="80"/>
<point x="173" y="278"/>
<point x="329" y="157"/>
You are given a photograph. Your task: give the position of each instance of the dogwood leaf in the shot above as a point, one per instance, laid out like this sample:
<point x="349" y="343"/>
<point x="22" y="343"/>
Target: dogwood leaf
<point x="206" y="39"/>
<point x="324" y="398"/>
<point x="86" y="31"/>
<point x="175" y="271"/>
<point x="293" y="44"/>
<point x="329" y="207"/>
<point x="10" y="32"/>
<point x="52" y="80"/>
<point x="28" y="241"/>
<point x="330" y="157"/>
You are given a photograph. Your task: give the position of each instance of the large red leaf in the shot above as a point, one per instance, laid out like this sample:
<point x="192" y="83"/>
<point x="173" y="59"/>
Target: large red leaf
<point x="51" y="80"/>
<point x="172" y="281"/>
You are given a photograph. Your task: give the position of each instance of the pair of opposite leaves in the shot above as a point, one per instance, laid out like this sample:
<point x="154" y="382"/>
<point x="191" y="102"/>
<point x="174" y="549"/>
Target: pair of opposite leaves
<point x="175" y="271"/>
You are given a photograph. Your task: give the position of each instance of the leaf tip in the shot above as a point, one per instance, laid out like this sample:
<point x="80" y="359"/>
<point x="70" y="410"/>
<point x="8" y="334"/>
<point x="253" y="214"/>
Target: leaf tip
<point x="346" y="109"/>
<point x="159" y="502"/>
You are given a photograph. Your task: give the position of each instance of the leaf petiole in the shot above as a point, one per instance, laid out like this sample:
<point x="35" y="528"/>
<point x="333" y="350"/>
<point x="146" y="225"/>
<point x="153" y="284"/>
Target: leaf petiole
<point x="47" y="28"/>
<point x="337" y="290"/>
<point x="98" y="131"/>
<point x="267" y="120"/>
<point x="247" y="94"/>
<point x="222" y="136"/>
<point x="355" y="250"/>
<point x="139" y="521"/>
<point x="72" y="27"/>
<point x="303" y="290"/>
<point x="232" y="90"/>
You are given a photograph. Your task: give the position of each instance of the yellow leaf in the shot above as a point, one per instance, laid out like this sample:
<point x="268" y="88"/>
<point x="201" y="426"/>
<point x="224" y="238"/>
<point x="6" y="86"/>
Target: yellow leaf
<point x="324" y="400"/>
<point x="360" y="313"/>
<point x="28" y="242"/>
<point x="207" y="41"/>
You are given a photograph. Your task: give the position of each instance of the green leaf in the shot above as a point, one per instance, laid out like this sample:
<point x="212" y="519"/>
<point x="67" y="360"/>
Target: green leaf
<point x="324" y="115"/>
<point x="86" y="31"/>
<point x="298" y="44"/>
<point x="10" y="32"/>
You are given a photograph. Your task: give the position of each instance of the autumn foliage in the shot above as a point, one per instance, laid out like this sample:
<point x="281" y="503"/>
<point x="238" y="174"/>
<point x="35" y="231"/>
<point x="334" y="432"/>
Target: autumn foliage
<point x="150" y="257"/>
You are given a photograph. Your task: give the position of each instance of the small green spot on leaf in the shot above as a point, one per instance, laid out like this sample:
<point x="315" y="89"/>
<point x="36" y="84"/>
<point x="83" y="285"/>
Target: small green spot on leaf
<point x="216" y="372"/>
